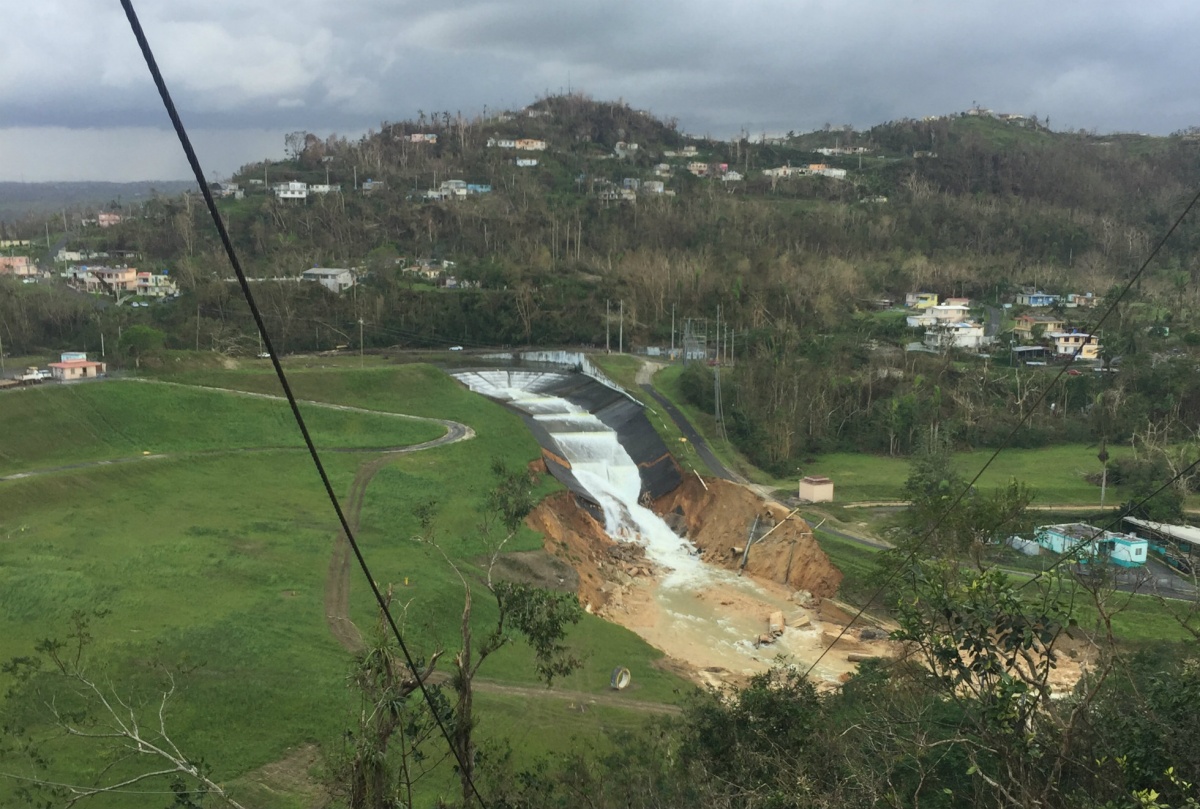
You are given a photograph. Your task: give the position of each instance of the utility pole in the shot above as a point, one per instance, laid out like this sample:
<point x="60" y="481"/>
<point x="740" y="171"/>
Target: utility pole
<point x="717" y="355"/>
<point x="1" y="355"/>
<point x="621" y="330"/>
<point x="672" y="355"/>
<point x="360" y="342"/>
<point x="607" y="327"/>
<point x="101" y="345"/>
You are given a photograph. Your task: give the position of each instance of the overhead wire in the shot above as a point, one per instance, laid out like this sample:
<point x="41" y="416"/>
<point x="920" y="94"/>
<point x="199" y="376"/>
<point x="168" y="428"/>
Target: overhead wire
<point x="231" y="253"/>
<point x="1012" y="434"/>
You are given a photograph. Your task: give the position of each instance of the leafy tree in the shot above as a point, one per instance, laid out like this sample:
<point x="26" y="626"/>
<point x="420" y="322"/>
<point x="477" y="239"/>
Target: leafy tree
<point x="139" y="341"/>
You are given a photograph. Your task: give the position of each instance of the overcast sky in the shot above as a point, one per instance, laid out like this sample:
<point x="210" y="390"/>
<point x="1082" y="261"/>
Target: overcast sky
<point x="76" y="101"/>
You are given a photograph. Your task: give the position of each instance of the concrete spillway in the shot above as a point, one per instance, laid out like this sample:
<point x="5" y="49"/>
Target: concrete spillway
<point x="593" y="462"/>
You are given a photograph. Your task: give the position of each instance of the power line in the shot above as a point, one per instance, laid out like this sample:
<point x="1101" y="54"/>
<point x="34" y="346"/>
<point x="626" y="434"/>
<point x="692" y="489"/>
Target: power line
<point x="1012" y="434"/>
<point x="194" y="162"/>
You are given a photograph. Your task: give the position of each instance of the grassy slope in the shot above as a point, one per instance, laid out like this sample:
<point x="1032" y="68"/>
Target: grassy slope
<point x="58" y="424"/>
<point x="199" y="565"/>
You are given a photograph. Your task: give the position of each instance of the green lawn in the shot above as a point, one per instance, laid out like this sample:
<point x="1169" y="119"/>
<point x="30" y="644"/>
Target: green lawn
<point x="217" y="563"/>
<point x="1056" y="473"/>
<point x="52" y="425"/>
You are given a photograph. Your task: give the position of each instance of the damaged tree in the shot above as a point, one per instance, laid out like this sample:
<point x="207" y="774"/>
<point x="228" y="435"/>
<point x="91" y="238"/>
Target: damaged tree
<point x="83" y="706"/>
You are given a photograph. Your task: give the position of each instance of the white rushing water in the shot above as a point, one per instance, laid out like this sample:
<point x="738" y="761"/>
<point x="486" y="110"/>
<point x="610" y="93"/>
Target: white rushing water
<point x="609" y="474"/>
<point x="600" y="464"/>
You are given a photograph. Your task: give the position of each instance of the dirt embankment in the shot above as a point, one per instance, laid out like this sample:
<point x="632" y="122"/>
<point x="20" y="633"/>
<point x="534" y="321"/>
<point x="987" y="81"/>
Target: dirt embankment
<point x="717" y="516"/>
<point x="796" y="580"/>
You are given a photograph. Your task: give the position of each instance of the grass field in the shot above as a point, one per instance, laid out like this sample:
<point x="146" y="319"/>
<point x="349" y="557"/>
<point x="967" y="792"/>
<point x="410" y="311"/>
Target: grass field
<point x="1056" y="473"/>
<point x="218" y="562"/>
<point x="59" y="424"/>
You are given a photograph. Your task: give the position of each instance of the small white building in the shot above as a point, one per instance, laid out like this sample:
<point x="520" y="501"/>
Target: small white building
<point x="816" y="489"/>
<point x="334" y="279"/>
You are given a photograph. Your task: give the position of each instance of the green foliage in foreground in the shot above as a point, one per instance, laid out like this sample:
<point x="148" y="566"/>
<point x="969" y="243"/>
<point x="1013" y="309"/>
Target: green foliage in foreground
<point x="216" y="565"/>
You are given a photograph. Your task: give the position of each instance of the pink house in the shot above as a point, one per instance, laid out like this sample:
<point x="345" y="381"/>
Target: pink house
<point x="19" y="266"/>
<point x="77" y="369"/>
<point x="107" y="219"/>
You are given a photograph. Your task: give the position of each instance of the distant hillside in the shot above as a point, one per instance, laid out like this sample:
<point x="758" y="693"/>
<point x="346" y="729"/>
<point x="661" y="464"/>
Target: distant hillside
<point x="18" y="200"/>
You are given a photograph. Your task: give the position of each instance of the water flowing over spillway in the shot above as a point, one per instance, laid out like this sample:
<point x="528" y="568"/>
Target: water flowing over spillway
<point x="606" y="471"/>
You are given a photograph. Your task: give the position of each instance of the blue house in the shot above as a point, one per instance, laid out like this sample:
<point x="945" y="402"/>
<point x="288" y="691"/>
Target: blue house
<point x="1090" y="544"/>
<point x="478" y="188"/>
<point x="1036" y="299"/>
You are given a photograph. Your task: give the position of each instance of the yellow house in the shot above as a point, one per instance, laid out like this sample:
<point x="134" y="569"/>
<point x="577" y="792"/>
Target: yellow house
<point x="920" y="300"/>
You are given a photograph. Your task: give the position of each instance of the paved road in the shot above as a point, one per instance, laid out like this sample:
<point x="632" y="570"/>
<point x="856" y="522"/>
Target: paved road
<point x="694" y="438"/>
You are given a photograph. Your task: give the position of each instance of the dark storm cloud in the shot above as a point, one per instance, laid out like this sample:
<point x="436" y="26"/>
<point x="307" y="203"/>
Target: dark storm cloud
<point x="717" y="67"/>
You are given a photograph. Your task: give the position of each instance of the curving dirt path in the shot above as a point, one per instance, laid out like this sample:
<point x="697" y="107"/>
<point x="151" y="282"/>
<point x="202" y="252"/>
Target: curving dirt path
<point x="455" y="432"/>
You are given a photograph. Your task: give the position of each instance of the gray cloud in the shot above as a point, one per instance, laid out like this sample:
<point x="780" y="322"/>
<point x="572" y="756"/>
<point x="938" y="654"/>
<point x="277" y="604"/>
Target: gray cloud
<point x="770" y="65"/>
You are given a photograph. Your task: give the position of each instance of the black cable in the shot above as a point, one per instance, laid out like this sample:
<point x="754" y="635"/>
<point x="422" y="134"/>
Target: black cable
<point x="1008" y="439"/>
<point x="194" y="162"/>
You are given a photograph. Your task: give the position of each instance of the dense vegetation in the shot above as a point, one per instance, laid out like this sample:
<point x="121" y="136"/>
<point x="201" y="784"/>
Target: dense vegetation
<point x="795" y="265"/>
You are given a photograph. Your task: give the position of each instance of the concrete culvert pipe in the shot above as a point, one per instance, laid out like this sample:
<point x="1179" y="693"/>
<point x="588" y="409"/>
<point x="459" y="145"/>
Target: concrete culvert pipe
<point x="620" y="678"/>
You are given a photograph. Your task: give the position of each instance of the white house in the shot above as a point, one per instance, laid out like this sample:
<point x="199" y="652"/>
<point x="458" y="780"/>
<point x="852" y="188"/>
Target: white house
<point x="963" y="334"/>
<point x="333" y="279"/>
<point x="1067" y="343"/>
<point x="653" y="187"/>
<point x="526" y="162"/>
<point x="322" y="188"/>
<point x="731" y="176"/>
<point x="291" y="190"/>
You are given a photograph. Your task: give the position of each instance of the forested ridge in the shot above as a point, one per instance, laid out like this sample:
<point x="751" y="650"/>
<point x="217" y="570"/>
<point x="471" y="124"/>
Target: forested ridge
<point x="796" y="264"/>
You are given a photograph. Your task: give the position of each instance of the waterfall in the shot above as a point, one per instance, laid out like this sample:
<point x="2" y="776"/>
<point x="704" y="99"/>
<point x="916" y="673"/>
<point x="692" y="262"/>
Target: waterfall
<point x="600" y="464"/>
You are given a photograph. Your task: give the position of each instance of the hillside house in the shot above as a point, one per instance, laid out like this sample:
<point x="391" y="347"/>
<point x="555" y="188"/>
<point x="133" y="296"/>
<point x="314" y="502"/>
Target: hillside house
<point x="731" y="176"/>
<point x="1077" y="301"/>
<point x="334" y="279"/>
<point x="662" y="170"/>
<point x="18" y="266"/>
<point x="1067" y="343"/>
<point x="156" y="286"/>
<point x="223" y="190"/>
<point x="324" y="188"/>
<point x="623" y="149"/>
<point x="632" y="183"/>
<point x="526" y="162"/>
<point x="1087" y="543"/>
<point x="422" y="137"/>
<point x="1036" y="300"/>
<point x="920" y="300"/>
<point x="291" y="190"/>
<point x="102" y="279"/>
<point x="501" y="143"/>
<point x="75" y="365"/>
<point x="938" y="315"/>
<point x="1024" y="326"/>
<point x="108" y="219"/>
<point x="530" y="145"/>
<point x="964" y="334"/>
<point x="697" y="168"/>
<point x="653" y="187"/>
